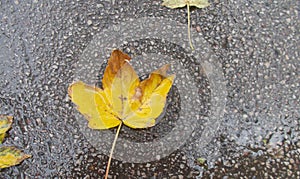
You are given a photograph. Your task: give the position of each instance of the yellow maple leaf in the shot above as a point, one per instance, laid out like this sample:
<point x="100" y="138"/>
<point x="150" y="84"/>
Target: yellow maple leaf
<point x="124" y="98"/>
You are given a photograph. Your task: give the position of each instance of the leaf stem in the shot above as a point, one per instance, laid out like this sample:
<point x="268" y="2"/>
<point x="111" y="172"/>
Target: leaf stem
<point x="112" y="150"/>
<point x="189" y="25"/>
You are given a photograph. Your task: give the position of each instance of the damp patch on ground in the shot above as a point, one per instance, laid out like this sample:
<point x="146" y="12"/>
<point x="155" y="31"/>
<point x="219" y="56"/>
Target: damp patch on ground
<point x="246" y="72"/>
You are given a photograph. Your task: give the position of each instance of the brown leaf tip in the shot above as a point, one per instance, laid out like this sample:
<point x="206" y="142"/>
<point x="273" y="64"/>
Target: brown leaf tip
<point x="117" y="60"/>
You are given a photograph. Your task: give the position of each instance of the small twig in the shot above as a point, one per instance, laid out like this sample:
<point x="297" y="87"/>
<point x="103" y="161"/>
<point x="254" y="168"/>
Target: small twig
<point x="112" y="150"/>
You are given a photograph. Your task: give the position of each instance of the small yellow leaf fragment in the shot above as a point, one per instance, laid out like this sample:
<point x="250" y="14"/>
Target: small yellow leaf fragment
<point x="5" y="125"/>
<point x="10" y="156"/>
<point x="201" y="160"/>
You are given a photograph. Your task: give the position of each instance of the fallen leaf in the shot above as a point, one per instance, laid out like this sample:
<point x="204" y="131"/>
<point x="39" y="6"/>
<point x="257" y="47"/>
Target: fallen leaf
<point x="10" y="156"/>
<point x="5" y="125"/>
<point x="124" y="99"/>
<point x="181" y="3"/>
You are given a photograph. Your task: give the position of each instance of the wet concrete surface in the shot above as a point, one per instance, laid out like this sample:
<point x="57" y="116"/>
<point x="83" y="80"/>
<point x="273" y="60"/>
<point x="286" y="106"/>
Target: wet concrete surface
<point x="256" y="43"/>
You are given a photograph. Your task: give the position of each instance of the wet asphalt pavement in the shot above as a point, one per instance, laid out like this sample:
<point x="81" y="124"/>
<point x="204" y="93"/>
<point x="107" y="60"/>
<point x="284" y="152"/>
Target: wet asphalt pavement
<point x="255" y="43"/>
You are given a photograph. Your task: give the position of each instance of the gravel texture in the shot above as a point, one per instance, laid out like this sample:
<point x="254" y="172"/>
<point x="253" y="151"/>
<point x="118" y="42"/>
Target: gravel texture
<point x="255" y="43"/>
